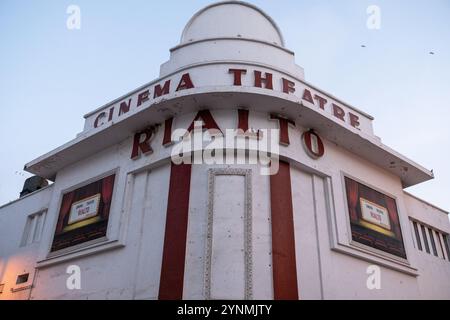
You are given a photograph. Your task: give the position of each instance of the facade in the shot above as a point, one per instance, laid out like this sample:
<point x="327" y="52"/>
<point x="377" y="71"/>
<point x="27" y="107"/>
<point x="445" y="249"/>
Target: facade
<point x="319" y="213"/>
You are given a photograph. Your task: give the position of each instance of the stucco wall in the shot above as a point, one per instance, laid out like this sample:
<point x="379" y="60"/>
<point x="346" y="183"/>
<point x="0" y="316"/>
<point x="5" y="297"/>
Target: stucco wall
<point x="17" y="255"/>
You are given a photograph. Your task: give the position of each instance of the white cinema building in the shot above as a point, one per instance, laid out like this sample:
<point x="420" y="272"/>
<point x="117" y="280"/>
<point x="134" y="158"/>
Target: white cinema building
<point x="332" y="221"/>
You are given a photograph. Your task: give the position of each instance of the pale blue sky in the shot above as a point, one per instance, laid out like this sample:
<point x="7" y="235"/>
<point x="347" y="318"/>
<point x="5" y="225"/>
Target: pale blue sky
<point x="50" y="76"/>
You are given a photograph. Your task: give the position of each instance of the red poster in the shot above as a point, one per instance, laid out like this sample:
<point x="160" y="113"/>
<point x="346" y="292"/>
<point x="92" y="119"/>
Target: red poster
<point x="374" y="219"/>
<point x="84" y="214"/>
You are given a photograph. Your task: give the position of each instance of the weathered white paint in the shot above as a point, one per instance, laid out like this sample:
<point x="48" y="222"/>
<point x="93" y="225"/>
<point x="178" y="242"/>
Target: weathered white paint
<point x="127" y="265"/>
<point x="134" y="269"/>
<point x="307" y="199"/>
<point x="228" y="238"/>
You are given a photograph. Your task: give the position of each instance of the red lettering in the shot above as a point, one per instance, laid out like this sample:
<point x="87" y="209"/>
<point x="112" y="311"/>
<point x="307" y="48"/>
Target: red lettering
<point x="267" y="80"/>
<point x="243" y="120"/>
<point x="307" y="96"/>
<point x="111" y="114"/>
<point x="208" y="120"/>
<point x="143" y="97"/>
<point x="100" y="116"/>
<point x="124" y="107"/>
<point x="237" y="75"/>
<point x="142" y="145"/>
<point x="317" y="151"/>
<point x="322" y="101"/>
<point x="284" y="128"/>
<point x="288" y="86"/>
<point x="164" y="90"/>
<point x="354" y="120"/>
<point x="338" y="112"/>
<point x="185" y="82"/>
<point x="167" y="140"/>
<point x="375" y="216"/>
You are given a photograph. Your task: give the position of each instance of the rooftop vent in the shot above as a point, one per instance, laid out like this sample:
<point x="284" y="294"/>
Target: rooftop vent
<point x="33" y="184"/>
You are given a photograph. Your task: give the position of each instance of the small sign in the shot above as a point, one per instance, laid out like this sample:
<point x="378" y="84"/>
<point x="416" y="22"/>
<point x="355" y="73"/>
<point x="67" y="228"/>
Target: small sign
<point x="375" y="214"/>
<point x="84" y="209"/>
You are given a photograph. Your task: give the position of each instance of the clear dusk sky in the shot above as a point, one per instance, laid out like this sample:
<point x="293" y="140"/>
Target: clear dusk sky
<point x="51" y="76"/>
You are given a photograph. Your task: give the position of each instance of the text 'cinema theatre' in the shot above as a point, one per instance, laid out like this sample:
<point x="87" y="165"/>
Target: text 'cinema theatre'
<point x="296" y="199"/>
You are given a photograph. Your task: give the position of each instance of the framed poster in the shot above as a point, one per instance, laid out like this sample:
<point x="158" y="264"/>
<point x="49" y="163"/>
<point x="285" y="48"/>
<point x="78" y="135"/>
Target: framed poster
<point x="84" y="214"/>
<point x="374" y="219"/>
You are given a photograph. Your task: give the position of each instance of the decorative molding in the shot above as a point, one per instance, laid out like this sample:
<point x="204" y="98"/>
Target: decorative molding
<point x="247" y="173"/>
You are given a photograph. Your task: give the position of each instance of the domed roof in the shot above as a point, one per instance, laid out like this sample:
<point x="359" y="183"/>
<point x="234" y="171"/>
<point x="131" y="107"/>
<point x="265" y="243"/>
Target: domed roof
<point x="232" y="19"/>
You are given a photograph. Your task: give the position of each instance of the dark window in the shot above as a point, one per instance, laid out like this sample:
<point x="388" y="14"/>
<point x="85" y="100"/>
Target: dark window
<point x="2" y="286"/>
<point x="23" y="278"/>
<point x="425" y="240"/>
<point x="447" y="249"/>
<point x="416" y="231"/>
<point x="433" y="244"/>
<point x="438" y="236"/>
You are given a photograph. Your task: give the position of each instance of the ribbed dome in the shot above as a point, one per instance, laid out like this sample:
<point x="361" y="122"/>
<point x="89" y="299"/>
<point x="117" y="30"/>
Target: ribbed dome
<point x="232" y="19"/>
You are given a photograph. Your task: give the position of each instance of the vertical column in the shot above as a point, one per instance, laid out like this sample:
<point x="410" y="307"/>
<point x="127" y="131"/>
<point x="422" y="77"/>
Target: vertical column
<point x="283" y="240"/>
<point x="228" y="240"/>
<point x="174" y="252"/>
